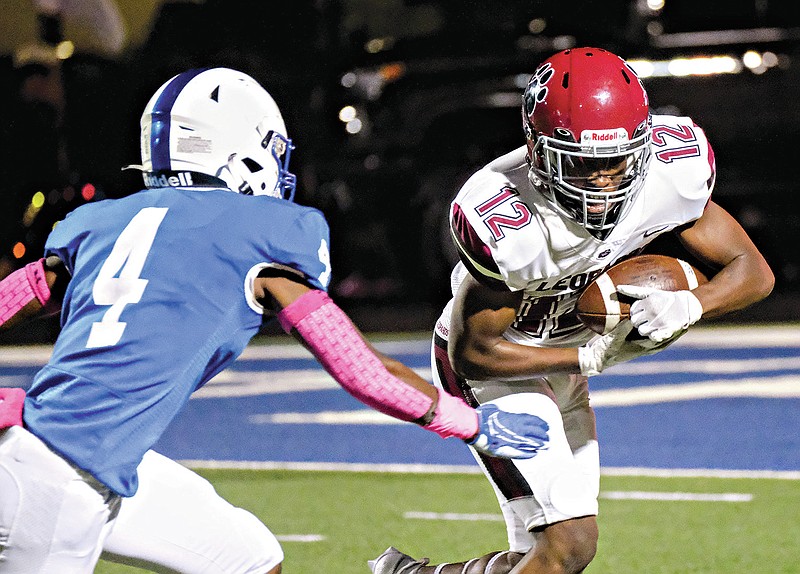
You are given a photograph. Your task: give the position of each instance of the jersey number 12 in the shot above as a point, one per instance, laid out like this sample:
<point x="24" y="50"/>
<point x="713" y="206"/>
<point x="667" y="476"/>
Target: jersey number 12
<point x="118" y="282"/>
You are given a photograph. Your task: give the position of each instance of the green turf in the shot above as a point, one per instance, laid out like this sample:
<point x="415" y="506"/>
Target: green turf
<point x="360" y="514"/>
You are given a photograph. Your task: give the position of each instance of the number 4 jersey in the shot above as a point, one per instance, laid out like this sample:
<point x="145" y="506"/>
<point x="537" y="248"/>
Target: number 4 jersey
<point x="160" y="300"/>
<point x="510" y="237"/>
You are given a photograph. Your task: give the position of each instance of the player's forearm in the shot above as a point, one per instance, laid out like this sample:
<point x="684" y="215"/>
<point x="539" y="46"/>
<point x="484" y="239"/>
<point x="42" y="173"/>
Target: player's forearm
<point x="407" y="375"/>
<point x="744" y="277"/>
<point x="744" y="281"/>
<point x="344" y="353"/>
<point x="502" y="359"/>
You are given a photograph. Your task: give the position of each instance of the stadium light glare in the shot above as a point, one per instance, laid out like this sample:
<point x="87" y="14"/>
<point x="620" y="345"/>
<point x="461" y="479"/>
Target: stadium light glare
<point x="19" y="250"/>
<point x="65" y="50"/>
<point x="655" y="5"/>
<point x="353" y="126"/>
<point x="699" y="66"/>
<point x="347" y="114"/>
<point x="704" y="66"/>
<point x="37" y="201"/>
<point x="751" y="59"/>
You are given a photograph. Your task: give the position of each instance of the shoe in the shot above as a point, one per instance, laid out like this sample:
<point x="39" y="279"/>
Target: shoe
<point x="392" y="561"/>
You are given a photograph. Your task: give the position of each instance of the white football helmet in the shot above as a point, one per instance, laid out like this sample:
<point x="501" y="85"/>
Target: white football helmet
<point x="216" y="127"/>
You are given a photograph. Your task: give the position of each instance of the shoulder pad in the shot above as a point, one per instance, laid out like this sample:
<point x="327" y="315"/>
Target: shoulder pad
<point x="473" y="252"/>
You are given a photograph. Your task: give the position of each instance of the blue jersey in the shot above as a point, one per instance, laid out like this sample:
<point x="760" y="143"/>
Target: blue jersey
<point x="159" y="302"/>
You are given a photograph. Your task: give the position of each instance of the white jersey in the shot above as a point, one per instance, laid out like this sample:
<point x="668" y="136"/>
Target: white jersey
<point x="508" y="234"/>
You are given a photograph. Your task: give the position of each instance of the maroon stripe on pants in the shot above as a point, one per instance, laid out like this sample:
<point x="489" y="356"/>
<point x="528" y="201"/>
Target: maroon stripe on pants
<point x="502" y="471"/>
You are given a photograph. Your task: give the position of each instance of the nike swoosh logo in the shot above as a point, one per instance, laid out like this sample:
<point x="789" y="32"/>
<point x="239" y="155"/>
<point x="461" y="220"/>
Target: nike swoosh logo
<point x="650" y="232"/>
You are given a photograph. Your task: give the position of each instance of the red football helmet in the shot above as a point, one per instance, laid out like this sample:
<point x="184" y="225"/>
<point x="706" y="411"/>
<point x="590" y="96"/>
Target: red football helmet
<point x="587" y="121"/>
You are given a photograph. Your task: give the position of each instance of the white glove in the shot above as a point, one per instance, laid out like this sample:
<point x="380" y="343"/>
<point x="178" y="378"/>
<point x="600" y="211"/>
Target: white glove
<point x="610" y="349"/>
<point x="660" y="315"/>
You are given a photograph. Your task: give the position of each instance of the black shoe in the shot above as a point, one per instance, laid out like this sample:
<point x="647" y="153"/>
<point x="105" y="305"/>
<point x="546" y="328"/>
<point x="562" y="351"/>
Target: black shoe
<point x="392" y="561"/>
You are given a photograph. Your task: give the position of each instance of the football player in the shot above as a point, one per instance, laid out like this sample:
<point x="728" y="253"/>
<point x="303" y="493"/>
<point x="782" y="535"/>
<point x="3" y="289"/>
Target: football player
<point x="161" y="291"/>
<point x="598" y="179"/>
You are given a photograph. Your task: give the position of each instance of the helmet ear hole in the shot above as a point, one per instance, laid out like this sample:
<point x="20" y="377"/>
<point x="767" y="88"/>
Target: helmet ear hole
<point x="252" y="165"/>
<point x="564" y="134"/>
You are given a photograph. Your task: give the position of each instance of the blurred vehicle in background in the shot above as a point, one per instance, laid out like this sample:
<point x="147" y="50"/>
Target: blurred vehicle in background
<point x="393" y="103"/>
<point x="415" y="114"/>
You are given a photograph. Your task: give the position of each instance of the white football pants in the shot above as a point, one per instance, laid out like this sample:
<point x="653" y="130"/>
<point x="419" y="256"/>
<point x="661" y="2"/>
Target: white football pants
<point x="563" y="480"/>
<point x="55" y="518"/>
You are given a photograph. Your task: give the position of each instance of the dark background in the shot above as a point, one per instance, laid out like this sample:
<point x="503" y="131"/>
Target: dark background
<point x="436" y="86"/>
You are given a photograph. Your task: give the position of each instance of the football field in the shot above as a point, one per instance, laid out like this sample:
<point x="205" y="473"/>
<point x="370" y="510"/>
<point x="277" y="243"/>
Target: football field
<point x="700" y="453"/>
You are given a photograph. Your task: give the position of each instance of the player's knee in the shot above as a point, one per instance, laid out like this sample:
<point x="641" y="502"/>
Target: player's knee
<point x="580" y="554"/>
<point x="570" y="546"/>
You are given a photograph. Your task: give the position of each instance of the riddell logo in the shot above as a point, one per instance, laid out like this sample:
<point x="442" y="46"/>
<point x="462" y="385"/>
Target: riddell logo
<point x="178" y="179"/>
<point x="603" y="136"/>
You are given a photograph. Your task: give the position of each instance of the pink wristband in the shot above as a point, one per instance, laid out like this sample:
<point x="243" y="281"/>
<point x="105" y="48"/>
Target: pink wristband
<point x="337" y="345"/>
<point x="454" y="417"/>
<point x="11" y="403"/>
<point x="21" y="287"/>
<point x="38" y="280"/>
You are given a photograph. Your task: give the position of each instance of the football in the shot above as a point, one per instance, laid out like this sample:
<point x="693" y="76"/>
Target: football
<point x="601" y="308"/>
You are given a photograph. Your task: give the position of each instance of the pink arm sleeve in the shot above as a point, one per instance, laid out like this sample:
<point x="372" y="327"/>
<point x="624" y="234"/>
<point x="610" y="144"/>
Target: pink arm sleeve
<point x="21" y="287"/>
<point x="334" y="341"/>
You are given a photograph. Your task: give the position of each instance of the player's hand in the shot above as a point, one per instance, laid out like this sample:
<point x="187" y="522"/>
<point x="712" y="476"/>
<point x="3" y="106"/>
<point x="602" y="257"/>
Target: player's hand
<point x="660" y="315"/>
<point x="509" y="435"/>
<point x="609" y="350"/>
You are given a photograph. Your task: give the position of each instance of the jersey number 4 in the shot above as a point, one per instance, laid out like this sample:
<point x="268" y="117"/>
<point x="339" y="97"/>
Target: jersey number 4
<point x="118" y="282"/>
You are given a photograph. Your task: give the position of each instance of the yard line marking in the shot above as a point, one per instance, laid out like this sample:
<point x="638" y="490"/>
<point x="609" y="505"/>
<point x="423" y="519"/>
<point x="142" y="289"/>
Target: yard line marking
<point x="14" y="381"/>
<point x="33" y="355"/>
<point x="766" y="387"/>
<point x="716" y="337"/>
<point x="610" y="495"/>
<point x="707" y="366"/>
<point x="232" y="383"/>
<point x="677" y="496"/>
<point x="300" y="537"/>
<point x="276" y="349"/>
<point x="394" y="468"/>
<point x="474" y="469"/>
<point x="732" y="337"/>
<point x="357" y="417"/>
<point x="237" y="383"/>
<point x="787" y="387"/>
<point x="453" y="516"/>
<point x="698" y="473"/>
